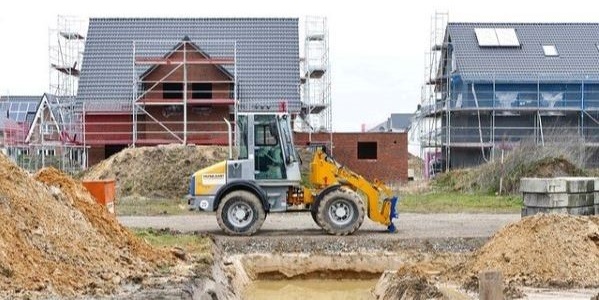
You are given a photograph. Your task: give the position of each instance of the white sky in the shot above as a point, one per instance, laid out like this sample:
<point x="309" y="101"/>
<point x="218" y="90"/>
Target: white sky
<point x="376" y="47"/>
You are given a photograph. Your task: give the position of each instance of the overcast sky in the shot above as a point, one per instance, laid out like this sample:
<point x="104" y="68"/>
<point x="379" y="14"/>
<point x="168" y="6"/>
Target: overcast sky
<point x="376" y="47"/>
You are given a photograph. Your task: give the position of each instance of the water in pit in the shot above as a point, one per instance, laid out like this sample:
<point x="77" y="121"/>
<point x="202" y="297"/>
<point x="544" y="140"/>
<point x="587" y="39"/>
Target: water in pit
<point x="302" y="289"/>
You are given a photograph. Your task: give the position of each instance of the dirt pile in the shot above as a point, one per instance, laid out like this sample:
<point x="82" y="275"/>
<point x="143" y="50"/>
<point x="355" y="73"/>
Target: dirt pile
<point x="305" y="155"/>
<point x="105" y="223"/>
<point x="486" y="178"/>
<point x="413" y="281"/>
<point x="155" y="172"/>
<point x="56" y="239"/>
<point x="543" y="251"/>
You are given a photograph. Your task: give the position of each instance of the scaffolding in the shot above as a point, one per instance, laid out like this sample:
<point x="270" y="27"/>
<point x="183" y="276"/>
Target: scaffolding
<point x="465" y="123"/>
<point x="185" y="91"/>
<point x="52" y="132"/>
<point x="66" y="46"/>
<point x="428" y="125"/>
<point x="316" y="76"/>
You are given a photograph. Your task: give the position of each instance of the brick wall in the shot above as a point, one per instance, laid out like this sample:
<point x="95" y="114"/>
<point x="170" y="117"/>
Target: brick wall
<point x="102" y="129"/>
<point x="221" y="85"/>
<point x="390" y="165"/>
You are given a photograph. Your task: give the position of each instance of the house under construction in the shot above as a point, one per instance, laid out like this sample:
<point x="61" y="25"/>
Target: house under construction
<point x="491" y="86"/>
<point x="120" y="82"/>
<point x="149" y="81"/>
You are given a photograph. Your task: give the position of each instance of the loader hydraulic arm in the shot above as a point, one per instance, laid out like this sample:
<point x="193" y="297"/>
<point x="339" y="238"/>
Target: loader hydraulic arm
<point x="381" y="203"/>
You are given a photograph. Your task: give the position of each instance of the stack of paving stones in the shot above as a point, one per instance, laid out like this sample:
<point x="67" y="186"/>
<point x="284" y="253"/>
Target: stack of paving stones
<point x="561" y="195"/>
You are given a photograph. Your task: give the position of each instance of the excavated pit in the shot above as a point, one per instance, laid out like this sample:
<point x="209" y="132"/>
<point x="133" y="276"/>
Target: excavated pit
<point x="301" y="275"/>
<point x="335" y="275"/>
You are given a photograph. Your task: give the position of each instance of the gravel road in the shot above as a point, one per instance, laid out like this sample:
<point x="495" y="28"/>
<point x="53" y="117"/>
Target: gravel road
<point x="277" y="224"/>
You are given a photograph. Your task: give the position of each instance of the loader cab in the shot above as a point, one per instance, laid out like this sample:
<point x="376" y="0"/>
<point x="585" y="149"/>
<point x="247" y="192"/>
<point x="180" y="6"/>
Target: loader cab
<point x="266" y="139"/>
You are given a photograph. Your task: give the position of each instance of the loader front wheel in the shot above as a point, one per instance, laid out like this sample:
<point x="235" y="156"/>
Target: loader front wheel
<point x="341" y="212"/>
<point x="240" y="213"/>
<point x="313" y="212"/>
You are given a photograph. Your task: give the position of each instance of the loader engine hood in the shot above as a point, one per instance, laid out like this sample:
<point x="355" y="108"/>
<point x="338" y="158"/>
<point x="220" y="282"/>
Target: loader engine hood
<point x="208" y="180"/>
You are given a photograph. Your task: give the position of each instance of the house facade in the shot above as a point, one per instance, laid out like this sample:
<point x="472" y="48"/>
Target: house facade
<point x="164" y="80"/>
<point x="498" y="85"/>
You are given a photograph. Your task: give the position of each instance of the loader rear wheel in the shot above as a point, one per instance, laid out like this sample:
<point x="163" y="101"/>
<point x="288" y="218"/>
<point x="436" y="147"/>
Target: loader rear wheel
<point x="340" y="212"/>
<point x="240" y="213"/>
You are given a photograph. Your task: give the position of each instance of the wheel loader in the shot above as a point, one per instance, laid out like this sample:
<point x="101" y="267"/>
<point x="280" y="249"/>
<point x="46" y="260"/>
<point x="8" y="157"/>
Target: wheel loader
<point x="264" y="177"/>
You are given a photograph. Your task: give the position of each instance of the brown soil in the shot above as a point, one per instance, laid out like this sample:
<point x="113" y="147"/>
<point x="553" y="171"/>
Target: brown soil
<point x="553" y="167"/>
<point x="542" y="251"/>
<point x="59" y="241"/>
<point x="155" y="172"/>
<point x="104" y="222"/>
<point x="412" y="282"/>
<point x="306" y="156"/>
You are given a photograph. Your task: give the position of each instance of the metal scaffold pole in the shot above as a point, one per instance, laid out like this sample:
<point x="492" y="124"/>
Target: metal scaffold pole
<point x="185" y="44"/>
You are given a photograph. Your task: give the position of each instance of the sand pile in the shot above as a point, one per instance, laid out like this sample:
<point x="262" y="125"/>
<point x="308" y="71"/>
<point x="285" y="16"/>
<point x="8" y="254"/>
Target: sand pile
<point x="543" y="250"/>
<point x="60" y="241"/>
<point x="155" y="172"/>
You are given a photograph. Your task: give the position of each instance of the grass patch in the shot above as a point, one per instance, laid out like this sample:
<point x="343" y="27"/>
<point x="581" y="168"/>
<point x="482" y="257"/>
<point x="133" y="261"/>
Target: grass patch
<point x="198" y="248"/>
<point x="140" y="206"/>
<point x="191" y="243"/>
<point x="452" y="202"/>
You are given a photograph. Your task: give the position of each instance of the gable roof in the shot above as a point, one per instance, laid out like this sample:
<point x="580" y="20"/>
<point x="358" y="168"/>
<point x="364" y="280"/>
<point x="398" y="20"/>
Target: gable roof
<point x="267" y="53"/>
<point x="176" y="48"/>
<point x="395" y="123"/>
<point x="47" y="101"/>
<point x="576" y="44"/>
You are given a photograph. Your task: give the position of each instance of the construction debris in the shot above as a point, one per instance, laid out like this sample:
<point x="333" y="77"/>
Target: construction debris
<point x="569" y="195"/>
<point x="543" y="251"/>
<point x="155" y="172"/>
<point x="55" y="239"/>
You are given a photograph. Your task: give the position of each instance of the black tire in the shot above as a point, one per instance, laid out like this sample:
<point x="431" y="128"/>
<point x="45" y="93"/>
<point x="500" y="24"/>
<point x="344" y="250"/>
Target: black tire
<point x="246" y="203"/>
<point x="346" y="201"/>
<point x="313" y="212"/>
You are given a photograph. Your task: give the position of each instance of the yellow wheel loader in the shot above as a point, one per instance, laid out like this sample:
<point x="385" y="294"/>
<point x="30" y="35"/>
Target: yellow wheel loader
<point x="264" y="177"/>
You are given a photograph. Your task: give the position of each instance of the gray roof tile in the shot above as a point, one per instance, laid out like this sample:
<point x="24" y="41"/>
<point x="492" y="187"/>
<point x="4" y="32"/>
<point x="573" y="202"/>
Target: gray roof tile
<point x="576" y="43"/>
<point x="267" y="54"/>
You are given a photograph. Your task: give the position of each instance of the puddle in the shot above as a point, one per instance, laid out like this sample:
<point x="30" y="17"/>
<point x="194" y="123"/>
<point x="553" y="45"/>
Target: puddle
<point x="327" y="289"/>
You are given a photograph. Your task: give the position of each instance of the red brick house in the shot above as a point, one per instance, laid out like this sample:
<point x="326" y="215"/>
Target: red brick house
<point x="156" y="81"/>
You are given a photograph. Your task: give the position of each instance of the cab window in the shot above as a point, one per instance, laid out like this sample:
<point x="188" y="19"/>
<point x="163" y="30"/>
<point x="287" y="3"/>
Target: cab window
<point x="269" y="161"/>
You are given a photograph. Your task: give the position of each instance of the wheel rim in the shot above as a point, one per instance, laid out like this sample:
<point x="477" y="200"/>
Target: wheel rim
<point x="341" y="212"/>
<point x="240" y="214"/>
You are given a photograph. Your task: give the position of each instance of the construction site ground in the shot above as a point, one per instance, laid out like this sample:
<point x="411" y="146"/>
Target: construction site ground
<point x="290" y="247"/>
<point x="63" y="244"/>
<point x="300" y="224"/>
